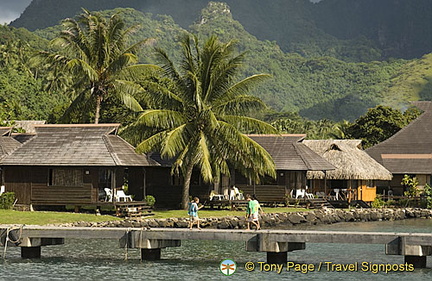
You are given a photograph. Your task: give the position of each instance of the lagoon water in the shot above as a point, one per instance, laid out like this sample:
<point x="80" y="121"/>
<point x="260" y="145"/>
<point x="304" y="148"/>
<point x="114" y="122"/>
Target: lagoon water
<point x="200" y="260"/>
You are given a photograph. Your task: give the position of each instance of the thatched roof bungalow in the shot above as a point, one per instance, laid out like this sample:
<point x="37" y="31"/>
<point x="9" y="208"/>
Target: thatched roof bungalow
<point x="292" y="159"/>
<point x="355" y="169"/>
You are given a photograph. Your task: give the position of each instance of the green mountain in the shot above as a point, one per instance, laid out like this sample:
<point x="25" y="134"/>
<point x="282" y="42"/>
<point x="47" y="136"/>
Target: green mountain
<point x="350" y="30"/>
<point x="316" y="87"/>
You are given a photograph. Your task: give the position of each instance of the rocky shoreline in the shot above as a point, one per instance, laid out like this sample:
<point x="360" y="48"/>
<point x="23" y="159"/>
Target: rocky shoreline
<point x="268" y="220"/>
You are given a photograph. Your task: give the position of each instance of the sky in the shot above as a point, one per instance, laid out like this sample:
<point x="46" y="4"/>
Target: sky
<point x="11" y="9"/>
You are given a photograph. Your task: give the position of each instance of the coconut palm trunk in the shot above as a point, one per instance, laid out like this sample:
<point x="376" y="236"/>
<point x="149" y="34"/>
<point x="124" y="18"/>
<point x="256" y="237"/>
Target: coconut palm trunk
<point x="186" y="187"/>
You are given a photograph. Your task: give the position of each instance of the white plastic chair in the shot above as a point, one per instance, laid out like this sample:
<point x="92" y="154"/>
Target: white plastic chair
<point x="300" y="193"/>
<point x="108" y="194"/>
<point x="2" y="189"/>
<point x="121" y="196"/>
<point x="232" y="194"/>
<point x="336" y="190"/>
<point x="310" y="195"/>
<point x="238" y="194"/>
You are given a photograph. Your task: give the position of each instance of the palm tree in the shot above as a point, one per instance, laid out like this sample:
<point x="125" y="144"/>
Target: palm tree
<point x="201" y="117"/>
<point x="94" y="58"/>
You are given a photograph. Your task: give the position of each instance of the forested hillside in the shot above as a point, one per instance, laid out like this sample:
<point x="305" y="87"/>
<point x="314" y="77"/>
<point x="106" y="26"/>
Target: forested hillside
<point x="319" y="88"/>
<point x="350" y="30"/>
<point x="316" y="87"/>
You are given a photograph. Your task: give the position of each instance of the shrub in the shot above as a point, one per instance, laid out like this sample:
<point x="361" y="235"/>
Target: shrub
<point x="428" y="196"/>
<point x="7" y="200"/>
<point x="378" y="203"/>
<point x="150" y="200"/>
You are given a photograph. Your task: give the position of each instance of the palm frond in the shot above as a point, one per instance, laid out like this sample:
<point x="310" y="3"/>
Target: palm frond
<point x="175" y="141"/>
<point x="80" y="66"/>
<point x="159" y="118"/>
<point x="153" y="143"/>
<point x="203" y="154"/>
<point x="238" y="105"/>
<point x="250" y="125"/>
<point x="246" y="85"/>
<point x="125" y="91"/>
<point x="76" y="107"/>
<point x="158" y="96"/>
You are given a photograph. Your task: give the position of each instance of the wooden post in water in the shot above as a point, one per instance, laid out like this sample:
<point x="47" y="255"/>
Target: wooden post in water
<point x="31" y="252"/>
<point x="416" y="261"/>
<point x="150" y="254"/>
<point x="277" y="257"/>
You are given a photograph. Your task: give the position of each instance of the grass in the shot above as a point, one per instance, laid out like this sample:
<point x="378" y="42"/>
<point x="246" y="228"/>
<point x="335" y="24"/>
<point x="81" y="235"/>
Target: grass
<point x="43" y="218"/>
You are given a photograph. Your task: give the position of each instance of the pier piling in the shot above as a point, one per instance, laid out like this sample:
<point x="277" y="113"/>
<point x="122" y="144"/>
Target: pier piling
<point x="31" y="252"/>
<point x="150" y="254"/>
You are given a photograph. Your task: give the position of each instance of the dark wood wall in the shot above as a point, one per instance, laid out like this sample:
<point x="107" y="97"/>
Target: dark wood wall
<point x="167" y="189"/>
<point x="30" y="185"/>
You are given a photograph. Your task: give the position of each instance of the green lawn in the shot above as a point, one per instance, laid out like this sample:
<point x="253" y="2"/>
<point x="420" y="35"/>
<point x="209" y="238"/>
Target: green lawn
<point x="43" y="218"/>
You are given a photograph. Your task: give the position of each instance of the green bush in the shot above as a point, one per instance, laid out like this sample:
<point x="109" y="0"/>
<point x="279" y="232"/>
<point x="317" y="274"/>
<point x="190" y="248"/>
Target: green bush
<point x="150" y="200"/>
<point x="427" y="196"/>
<point x="378" y="203"/>
<point x="7" y="200"/>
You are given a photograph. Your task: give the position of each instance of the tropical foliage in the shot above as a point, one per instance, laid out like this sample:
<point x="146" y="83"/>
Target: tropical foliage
<point x="380" y="123"/>
<point x="201" y="114"/>
<point x="94" y="62"/>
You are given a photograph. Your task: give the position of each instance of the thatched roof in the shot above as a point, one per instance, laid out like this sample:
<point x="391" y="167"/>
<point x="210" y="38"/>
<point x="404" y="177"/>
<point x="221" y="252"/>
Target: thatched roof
<point x="409" y="151"/>
<point x="289" y="153"/>
<point x="350" y="160"/>
<point x="76" y="145"/>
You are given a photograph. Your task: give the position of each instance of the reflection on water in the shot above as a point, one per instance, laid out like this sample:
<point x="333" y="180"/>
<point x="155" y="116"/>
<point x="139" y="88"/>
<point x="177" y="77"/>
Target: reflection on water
<point x="104" y="260"/>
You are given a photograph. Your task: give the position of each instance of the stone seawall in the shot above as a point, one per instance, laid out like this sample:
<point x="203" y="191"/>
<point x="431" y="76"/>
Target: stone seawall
<point x="269" y="220"/>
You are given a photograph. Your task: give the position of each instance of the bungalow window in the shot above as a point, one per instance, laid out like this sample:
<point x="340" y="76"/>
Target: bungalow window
<point x="65" y="177"/>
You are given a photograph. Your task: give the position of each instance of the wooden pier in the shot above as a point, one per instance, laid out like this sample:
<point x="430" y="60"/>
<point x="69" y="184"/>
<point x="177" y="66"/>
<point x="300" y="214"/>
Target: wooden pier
<point x="277" y="243"/>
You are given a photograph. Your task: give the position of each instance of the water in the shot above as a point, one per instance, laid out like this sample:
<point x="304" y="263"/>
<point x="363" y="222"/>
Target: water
<point x="104" y="260"/>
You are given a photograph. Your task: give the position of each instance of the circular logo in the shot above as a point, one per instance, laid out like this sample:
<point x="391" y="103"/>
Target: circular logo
<point x="228" y="267"/>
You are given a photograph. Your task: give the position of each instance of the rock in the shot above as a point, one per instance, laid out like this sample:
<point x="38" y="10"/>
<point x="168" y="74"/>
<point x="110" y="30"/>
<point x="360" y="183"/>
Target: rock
<point x="296" y="218"/>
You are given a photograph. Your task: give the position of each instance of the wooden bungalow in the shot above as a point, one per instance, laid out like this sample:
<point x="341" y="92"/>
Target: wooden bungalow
<point x="355" y="175"/>
<point x="167" y="188"/>
<point x="408" y="152"/>
<point x="73" y="165"/>
<point x="293" y="159"/>
<point x="7" y="145"/>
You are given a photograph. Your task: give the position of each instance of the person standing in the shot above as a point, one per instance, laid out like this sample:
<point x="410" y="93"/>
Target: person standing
<point x="252" y="213"/>
<point x="193" y="213"/>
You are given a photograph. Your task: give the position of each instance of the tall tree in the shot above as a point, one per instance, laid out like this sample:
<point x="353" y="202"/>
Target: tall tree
<point x="201" y="116"/>
<point x="380" y="123"/>
<point x="94" y="58"/>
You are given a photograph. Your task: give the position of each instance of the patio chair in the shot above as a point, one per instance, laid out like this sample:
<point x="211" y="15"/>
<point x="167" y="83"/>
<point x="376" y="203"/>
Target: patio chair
<point x="300" y="193"/>
<point x="232" y="194"/>
<point x="120" y="196"/>
<point x="2" y="189"/>
<point x="309" y="195"/>
<point x="238" y="194"/>
<point x="108" y="194"/>
<point x="336" y="191"/>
